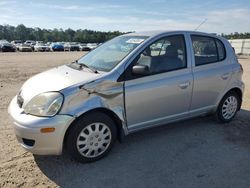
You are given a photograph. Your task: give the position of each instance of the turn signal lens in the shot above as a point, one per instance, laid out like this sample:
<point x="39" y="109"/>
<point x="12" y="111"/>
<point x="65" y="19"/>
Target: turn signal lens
<point x="47" y="130"/>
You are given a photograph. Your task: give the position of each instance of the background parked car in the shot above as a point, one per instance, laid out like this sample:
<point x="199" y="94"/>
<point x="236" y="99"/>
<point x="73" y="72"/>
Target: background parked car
<point x="24" y="48"/>
<point x="41" y="47"/>
<point x="17" y="43"/>
<point x="31" y="43"/>
<point x="92" y="45"/>
<point x="71" y="46"/>
<point x="84" y="47"/>
<point x="39" y="41"/>
<point x="56" y="47"/>
<point x="5" y="46"/>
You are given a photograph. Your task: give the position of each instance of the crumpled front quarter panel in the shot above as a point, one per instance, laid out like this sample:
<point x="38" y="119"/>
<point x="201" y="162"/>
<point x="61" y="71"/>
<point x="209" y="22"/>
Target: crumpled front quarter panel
<point x="106" y="94"/>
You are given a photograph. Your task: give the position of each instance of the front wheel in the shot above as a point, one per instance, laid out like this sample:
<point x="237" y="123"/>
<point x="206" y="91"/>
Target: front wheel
<point x="91" y="137"/>
<point x="228" y="107"/>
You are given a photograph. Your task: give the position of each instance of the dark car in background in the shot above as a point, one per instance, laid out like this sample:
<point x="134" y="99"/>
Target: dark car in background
<point x="5" y="46"/>
<point x="56" y="47"/>
<point x="71" y="46"/>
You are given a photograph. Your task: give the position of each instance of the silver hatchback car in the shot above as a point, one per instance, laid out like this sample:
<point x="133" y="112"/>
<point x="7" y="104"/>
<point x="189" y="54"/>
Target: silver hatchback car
<point x="132" y="82"/>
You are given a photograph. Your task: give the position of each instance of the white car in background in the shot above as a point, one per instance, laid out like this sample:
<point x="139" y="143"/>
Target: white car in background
<point x="24" y="48"/>
<point x="41" y="47"/>
<point x="16" y="43"/>
<point x="84" y="47"/>
<point x="31" y="43"/>
<point x="92" y="45"/>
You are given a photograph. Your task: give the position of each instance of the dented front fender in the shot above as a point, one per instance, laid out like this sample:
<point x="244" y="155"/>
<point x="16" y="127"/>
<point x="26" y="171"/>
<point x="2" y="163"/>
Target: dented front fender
<point x="107" y="94"/>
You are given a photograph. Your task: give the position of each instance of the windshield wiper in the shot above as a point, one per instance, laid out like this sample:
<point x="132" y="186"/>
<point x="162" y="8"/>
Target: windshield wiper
<point x="88" y="67"/>
<point x="81" y="65"/>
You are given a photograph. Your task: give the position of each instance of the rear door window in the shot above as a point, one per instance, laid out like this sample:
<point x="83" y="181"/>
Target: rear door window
<point x="207" y="50"/>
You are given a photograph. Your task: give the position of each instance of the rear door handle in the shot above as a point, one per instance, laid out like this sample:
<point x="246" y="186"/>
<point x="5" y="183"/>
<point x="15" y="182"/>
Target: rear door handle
<point x="225" y="76"/>
<point x="184" y="85"/>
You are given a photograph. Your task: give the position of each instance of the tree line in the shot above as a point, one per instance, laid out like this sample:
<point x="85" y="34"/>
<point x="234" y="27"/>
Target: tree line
<point x="21" y="32"/>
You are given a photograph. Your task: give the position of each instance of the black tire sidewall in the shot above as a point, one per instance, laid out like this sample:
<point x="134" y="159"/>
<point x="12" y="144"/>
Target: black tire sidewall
<point x="79" y="125"/>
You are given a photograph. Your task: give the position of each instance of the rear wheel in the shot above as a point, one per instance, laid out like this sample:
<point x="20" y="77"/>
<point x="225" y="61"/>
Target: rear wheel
<point x="91" y="137"/>
<point x="228" y="107"/>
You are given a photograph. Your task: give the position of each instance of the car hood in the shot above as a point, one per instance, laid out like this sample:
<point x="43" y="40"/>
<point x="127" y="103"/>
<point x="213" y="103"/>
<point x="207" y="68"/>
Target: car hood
<point x="24" y="47"/>
<point x="55" y="79"/>
<point x="7" y="44"/>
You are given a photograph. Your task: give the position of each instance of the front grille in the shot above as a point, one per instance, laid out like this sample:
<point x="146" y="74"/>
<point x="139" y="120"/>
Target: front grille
<point x="20" y="100"/>
<point x="7" y="47"/>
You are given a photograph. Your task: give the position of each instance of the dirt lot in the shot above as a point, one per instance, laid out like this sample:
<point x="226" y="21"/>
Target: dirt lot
<point x="194" y="153"/>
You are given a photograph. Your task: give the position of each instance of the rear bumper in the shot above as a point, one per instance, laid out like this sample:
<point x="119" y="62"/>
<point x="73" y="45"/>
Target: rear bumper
<point x="28" y="131"/>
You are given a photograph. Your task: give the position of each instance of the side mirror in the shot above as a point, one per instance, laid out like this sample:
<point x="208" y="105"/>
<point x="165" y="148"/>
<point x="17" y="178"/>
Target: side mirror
<point x="140" y="70"/>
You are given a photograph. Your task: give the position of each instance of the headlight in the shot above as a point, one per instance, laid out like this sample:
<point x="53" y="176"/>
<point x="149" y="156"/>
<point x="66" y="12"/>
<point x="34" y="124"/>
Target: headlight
<point x="45" y="104"/>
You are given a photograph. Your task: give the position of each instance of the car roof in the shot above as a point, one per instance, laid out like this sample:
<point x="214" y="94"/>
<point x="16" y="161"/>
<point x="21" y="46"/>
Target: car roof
<point x="158" y="32"/>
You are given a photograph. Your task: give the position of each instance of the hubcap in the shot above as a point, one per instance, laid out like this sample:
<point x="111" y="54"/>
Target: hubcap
<point x="229" y="107"/>
<point x="93" y="140"/>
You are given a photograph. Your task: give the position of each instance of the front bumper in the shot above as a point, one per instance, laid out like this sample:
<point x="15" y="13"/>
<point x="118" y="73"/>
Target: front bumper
<point x="57" y="49"/>
<point x="8" y="49"/>
<point x="42" y="49"/>
<point x="25" y="49"/>
<point x="27" y="129"/>
<point x="74" y="49"/>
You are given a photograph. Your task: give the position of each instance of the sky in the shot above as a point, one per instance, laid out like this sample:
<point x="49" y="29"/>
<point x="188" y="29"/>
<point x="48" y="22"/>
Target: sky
<point x="129" y="15"/>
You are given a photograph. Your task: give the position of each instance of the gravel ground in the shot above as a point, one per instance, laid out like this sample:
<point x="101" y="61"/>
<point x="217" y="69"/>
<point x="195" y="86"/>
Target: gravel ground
<point x="193" y="153"/>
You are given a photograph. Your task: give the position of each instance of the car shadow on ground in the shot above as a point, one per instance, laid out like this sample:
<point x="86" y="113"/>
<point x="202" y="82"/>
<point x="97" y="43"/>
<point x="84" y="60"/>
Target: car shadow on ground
<point x="190" y="153"/>
<point x="239" y="130"/>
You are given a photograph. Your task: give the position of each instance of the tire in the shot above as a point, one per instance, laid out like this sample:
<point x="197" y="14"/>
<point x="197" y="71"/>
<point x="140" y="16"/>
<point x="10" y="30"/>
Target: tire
<point x="84" y="145"/>
<point x="228" y="107"/>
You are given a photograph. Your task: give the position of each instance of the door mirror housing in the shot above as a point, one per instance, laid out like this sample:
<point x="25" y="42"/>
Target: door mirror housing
<point x="140" y="70"/>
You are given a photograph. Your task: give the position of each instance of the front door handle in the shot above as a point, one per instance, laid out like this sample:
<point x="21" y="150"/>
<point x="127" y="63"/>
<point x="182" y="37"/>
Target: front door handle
<point x="225" y="76"/>
<point x="184" y="85"/>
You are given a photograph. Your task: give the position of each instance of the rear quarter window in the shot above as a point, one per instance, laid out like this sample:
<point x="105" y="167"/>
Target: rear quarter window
<point x="221" y="50"/>
<point x="207" y="50"/>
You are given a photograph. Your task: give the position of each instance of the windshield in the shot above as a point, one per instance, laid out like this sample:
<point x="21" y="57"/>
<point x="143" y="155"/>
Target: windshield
<point x="108" y="55"/>
<point x="4" y="41"/>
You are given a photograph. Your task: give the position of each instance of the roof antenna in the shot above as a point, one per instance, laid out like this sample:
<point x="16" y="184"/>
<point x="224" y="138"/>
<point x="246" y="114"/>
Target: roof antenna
<point x="201" y="24"/>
